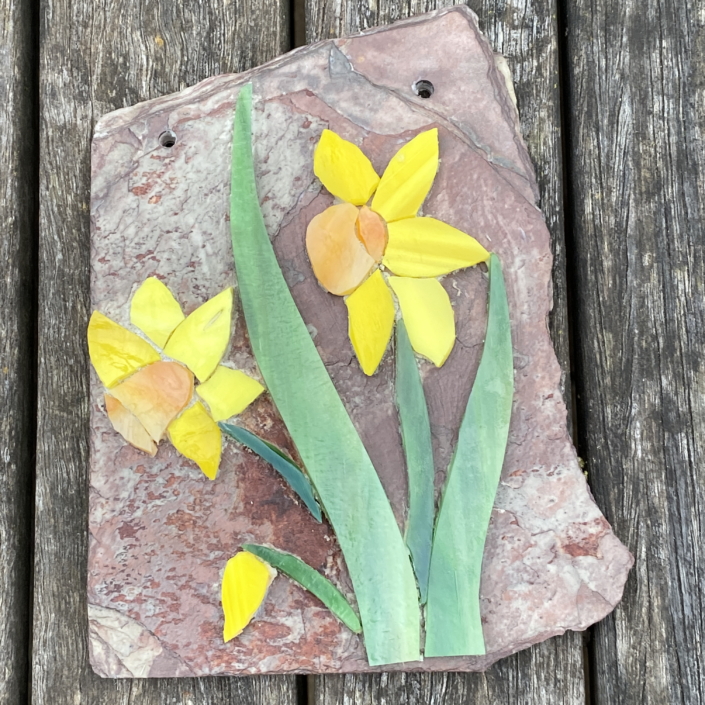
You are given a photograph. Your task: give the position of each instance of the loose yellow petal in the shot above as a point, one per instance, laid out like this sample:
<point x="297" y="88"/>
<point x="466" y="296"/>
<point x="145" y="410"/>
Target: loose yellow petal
<point x="156" y="395"/>
<point x="155" y="311"/>
<point x="116" y="352"/>
<point x="426" y="247"/>
<point x="128" y="426"/>
<point x="245" y="583"/>
<point x="195" y="435"/>
<point x="343" y="169"/>
<point x="408" y="178"/>
<point x="229" y="392"/>
<point x="338" y="257"/>
<point x="200" y="341"/>
<point x="428" y="316"/>
<point x="371" y="320"/>
<point x="372" y="231"/>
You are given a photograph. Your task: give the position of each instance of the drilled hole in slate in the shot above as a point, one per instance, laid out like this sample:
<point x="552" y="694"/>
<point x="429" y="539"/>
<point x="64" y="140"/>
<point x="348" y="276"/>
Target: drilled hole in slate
<point x="423" y="88"/>
<point x="167" y="139"/>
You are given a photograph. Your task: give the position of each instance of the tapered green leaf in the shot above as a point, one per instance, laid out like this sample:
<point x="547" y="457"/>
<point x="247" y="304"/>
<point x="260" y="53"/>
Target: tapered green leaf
<point x="286" y="467"/>
<point x="330" y="447"/>
<point x="310" y="579"/>
<point x="416" y="436"/>
<point x="453" y="626"/>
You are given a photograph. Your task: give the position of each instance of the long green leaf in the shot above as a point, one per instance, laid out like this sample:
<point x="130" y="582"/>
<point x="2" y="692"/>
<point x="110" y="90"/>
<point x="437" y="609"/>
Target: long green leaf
<point x="330" y="447"/>
<point x="310" y="579"/>
<point x="416" y="436"/>
<point x="453" y="626"/>
<point x="286" y="467"/>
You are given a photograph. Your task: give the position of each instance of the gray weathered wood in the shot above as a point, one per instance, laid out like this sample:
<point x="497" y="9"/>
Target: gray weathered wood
<point x="637" y="96"/>
<point x="527" y="36"/>
<point x="18" y="201"/>
<point x="548" y="674"/>
<point x="96" y="57"/>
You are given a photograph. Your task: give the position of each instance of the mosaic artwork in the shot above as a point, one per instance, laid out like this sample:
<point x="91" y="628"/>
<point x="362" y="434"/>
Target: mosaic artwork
<point x="327" y="430"/>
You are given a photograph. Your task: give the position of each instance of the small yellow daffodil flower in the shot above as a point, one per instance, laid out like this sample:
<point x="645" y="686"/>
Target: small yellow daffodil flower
<point x="349" y="241"/>
<point x="151" y="391"/>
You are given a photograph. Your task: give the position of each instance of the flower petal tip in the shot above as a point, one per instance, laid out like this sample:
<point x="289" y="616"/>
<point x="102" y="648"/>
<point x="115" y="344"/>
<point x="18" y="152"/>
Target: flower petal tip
<point x="246" y="580"/>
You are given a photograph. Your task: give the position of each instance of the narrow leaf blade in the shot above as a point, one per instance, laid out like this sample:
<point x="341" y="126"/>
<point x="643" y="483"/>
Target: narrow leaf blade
<point x="416" y="437"/>
<point x="311" y="580"/>
<point x="330" y="447"/>
<point x="453" y="626"/>
<point x="286" y="467"/>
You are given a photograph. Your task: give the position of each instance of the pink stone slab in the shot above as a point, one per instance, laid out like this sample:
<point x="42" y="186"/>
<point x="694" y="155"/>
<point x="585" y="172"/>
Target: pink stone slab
<point x="160" y="532"/>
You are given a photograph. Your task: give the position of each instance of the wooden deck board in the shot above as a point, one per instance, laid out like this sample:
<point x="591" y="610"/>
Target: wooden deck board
<point x="95" y="58"/>
<point x="18" y="204"/>
<point x="637" y="168"/>
<point x="552" y="672"/>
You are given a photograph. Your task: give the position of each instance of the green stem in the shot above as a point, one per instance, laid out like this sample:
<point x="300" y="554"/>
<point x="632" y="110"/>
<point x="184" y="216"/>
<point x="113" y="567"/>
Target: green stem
<point x="285" y="466"/>
<point x="311" y="580"/>
<point x="453" y="624"/>
<point x="418" y="450"/>
<point x="330" y="447"/>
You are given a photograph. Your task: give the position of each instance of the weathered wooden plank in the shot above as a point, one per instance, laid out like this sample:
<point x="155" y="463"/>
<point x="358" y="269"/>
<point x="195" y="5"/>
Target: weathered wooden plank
<point x="18" y="204"/>
<point x="95" y="58"/>
<point x="527" y="36"/>
<point x="637" y="117"/>
<point x="547" y="673"/>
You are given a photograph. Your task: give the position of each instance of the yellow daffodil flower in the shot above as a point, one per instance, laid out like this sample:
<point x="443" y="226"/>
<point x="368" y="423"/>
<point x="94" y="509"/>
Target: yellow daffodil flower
<point x="349" y="241"/>
<point x="151" y="392"/>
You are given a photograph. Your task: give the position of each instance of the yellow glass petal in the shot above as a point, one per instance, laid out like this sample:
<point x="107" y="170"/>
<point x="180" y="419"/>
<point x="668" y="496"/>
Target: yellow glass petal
<point x="426" y="247"/>
<point x="408" y="178"/>
<point x="116" y="352"/>
<point x="428" y="316"/>
<point x="338" y="257"/>
<point x="128" y="426"/>
<point x="200" y="341"/>
<point x="156" y="395"/>
<point x="343" y="169"/>
<point x="195" y="435"/>
<point x="229" y="392"/>
<point x="155" y="311"/>
<point x="245" y="583"/>
<point x="371" y="320"/>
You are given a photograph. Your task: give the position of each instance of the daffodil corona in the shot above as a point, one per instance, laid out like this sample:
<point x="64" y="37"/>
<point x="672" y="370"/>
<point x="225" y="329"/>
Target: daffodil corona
<point x="351" y="244"/>
<point x="149" y="396"/>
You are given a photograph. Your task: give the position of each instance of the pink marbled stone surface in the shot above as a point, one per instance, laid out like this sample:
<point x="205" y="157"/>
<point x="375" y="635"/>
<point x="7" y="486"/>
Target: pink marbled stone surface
<point x="160" y="532"/>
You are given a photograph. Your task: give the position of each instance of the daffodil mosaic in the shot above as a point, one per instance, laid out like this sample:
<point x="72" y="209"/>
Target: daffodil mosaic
<point x="352" y="245"/>
<point x="152" y="393"/>
<point x="151" y="390"/>
<point x="370" y="247"/>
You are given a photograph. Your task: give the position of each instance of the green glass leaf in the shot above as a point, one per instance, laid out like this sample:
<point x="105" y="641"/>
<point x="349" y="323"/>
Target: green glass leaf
<point x="310" y="579"/>
<point x="416" y="436"/>
<point x="334" y="456"/>
<point x="453" y="626"/>
<point x="285" y="466"/>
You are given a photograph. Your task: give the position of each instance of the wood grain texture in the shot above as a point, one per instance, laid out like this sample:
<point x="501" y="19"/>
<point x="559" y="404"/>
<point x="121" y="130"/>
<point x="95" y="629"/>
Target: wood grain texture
<point x="637" y="95"/>
<point x="17" y="303"/>
<point x="526" y="35"/>
<point x="95" y="58"/>
<point x="541" y="675"/>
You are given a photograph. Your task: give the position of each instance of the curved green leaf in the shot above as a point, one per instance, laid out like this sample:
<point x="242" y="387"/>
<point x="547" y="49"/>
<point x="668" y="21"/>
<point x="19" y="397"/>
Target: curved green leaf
<point x="334" y="456"/>
<point x="453" y="626"/>
<point x="286" y="467"/>
<point x="310" y="579"/>
<point x="416" y="437"/>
